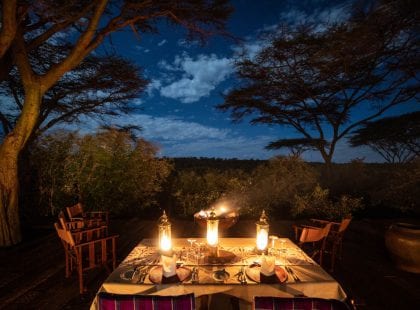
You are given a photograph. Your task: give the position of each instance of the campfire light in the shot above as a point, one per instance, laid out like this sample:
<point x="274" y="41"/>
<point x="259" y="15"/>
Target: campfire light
<point x="165" y="242"/>
<point x="262" y="232"/>
<point x="212" y="229"/>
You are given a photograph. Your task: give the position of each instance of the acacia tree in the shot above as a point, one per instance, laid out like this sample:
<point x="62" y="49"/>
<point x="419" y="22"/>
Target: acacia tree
<point x="86" y="24"/>
<point x="396" y="139"/>
<point x="314" y="81"/>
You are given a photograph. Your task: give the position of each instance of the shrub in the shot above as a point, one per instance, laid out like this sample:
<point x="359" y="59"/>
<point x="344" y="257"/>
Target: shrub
<point x="275" y="184"/>
<point x="318" y="204"/>
<point x="107" y="171"/>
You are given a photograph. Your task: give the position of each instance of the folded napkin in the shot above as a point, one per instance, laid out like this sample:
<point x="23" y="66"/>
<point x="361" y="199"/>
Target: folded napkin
<point x="168" y="266"/>
<point x="267" y="265"/>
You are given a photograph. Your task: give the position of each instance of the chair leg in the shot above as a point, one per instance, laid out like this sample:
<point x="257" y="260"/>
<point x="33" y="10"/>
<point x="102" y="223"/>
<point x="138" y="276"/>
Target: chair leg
<point x="80" y="273"/>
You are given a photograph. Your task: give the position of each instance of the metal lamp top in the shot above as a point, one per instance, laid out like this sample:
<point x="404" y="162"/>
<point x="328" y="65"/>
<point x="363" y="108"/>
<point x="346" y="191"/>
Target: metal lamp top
<point x="163" y="220"/>
<point x="263" y="221"/>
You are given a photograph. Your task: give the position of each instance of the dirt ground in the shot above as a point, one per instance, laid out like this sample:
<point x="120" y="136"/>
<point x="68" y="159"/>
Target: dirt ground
<point x="32" y="273"/>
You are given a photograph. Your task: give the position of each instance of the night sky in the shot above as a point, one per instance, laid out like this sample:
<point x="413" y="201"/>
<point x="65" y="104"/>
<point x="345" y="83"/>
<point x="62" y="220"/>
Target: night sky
<point x="187" y="81"/>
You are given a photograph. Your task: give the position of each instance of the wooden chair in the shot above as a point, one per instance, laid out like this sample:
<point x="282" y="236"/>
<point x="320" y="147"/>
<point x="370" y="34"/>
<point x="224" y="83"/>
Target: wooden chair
<point x="108" y="301"/>
<point x="316" y="236"/>
<point x="301" y="303"/>
<point x="89" y="219"/>
<point x="335" y="237"/>
<point x="87" y="249"/>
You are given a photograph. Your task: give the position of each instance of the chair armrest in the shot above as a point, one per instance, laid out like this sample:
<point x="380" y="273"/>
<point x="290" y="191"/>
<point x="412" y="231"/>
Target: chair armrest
<point x="310" y="227"/>
<point x="76" y="219"/>
<point x="324" y="222"/>
<point x="96" y="241"/>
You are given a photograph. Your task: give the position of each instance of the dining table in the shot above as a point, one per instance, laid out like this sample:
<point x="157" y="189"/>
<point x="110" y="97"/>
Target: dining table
<point x="233" y="268"/>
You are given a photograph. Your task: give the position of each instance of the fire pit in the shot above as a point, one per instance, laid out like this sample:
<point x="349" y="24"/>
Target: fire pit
<point x="226" y="217"/>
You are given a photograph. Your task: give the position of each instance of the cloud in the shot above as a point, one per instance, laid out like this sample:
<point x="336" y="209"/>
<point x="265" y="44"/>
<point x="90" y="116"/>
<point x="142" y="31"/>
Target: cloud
<point x="187" y="43"/>
<point x="173" y="129"/>
<point x="199" y="76"/>
<point x="142" y="49"/>
<point x="162" y="42"/>
<point x="332" y="14"/>
<point x="153" y="85"/>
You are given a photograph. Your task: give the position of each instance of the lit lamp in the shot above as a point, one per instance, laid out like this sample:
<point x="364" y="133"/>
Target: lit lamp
<point x="262" y="233"/>
<point x="212" y="232"/>
<point x="165" y="242"/>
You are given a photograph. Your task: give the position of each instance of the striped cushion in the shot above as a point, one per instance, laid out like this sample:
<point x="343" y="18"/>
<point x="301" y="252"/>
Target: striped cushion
<point x="107" y="301"/>
<point x="298" y="303"/>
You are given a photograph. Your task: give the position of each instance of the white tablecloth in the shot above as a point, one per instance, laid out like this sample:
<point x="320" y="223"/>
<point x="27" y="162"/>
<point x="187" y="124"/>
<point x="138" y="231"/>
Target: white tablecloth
<point x="314" y="280"/>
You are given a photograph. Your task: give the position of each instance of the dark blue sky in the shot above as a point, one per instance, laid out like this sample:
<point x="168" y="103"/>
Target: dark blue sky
<point x="187" y="80"/>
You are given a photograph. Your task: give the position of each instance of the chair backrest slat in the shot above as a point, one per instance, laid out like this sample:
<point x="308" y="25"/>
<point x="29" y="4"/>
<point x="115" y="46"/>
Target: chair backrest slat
<point x="344" y="224"/>
<point x="75" y="211"/>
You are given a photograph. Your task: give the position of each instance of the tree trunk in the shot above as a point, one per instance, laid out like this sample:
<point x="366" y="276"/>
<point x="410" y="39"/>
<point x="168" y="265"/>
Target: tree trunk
<point x="10" y="149"/>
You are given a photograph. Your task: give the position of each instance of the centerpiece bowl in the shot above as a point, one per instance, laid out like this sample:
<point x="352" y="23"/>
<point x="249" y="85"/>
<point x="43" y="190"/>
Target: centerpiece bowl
<point x="226" y="220"/>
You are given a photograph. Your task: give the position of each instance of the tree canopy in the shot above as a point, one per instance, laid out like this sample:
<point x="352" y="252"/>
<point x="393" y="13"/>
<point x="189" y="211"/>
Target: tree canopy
<point x="396" y="139"/>
<point x="29" y="28"/>
<point x="318" y="81"/>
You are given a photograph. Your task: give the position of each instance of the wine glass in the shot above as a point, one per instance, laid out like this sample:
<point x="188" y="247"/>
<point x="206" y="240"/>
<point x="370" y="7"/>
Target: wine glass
<point x="191" y="252"/>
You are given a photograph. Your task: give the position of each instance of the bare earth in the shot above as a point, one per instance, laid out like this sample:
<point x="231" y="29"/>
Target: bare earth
<point x="32" y="273"/>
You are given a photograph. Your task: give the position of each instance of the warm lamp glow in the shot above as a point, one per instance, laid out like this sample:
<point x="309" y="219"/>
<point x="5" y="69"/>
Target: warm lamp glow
<point x="212" y="229"/>
<point x="262" y="239"/>
<point x="262" y="232"/>
<point x="165" y="242"/>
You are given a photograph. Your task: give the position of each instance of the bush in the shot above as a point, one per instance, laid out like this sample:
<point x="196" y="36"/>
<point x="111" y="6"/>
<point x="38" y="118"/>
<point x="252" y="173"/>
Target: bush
<point x="318" y="204"/>
<point x="196" y="191"/>
<point x="106" y="171"/>
<point x="275" y="184"/>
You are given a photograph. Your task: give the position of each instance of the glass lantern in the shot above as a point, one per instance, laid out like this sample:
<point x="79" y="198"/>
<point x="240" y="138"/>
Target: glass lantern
<point x="212" y="229"/>
<point x="262" y="233"/>
<point x="165" y="242"/>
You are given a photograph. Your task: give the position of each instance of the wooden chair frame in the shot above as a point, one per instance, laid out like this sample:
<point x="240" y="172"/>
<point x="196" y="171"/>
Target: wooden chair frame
<point x="89" y="219"/>
<point x="87" y="249"/>
<point x="316" y="236"/>
<point x="335" y="237"/>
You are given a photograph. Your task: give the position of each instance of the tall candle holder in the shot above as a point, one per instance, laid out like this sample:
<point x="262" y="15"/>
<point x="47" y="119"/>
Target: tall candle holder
<point x="212" y="233"/>
<point x="262" y="227"/>
<point x="165" y="241"/>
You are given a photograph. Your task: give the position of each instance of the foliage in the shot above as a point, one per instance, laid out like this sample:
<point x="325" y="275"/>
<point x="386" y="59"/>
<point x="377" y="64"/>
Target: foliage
<point x="315" y="80"/>
<point x="275" y="184"/>
<point x="29" y="27"/>
<point x="99" y="86"/>
<point x="195" y="191"/>
<point x="401" y="189"/>
<point x="396" y="139"/>
<point x="107" y="171"/>
<point x="318" y="204"/>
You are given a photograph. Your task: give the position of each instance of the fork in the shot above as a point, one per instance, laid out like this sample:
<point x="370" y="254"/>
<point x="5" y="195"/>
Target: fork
<point x="290" y="270"/>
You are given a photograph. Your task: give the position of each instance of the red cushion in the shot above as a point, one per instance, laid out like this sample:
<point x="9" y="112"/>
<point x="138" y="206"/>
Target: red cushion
<point x="107" y="301"/>
<point x="298" y="303"/>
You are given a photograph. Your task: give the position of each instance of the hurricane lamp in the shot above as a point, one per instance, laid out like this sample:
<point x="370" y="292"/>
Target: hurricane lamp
<point x="165" y="242"/>
<point x="262" y="232"/>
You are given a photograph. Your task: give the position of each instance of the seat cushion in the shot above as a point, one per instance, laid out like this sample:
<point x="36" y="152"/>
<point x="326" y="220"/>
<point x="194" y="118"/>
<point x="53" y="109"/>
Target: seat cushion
<point x="107" y="301"/>
<point x="298" y="303"/>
